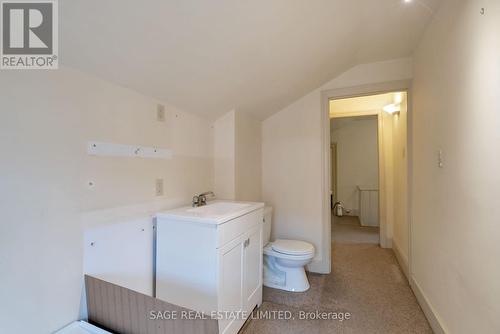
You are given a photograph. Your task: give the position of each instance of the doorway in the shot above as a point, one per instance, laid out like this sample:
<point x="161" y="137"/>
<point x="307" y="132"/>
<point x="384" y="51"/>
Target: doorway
<point x="390" y="190"/>
<point x="355" y="175"/>
<point x="390" y="205"/>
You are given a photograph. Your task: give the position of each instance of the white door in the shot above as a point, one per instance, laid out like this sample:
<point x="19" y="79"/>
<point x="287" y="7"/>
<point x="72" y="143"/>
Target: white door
<point x="252" y="265"/>
<point x="230" y="282"/>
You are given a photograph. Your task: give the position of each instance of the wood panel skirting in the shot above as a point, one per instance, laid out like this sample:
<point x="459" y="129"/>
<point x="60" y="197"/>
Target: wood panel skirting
<point x="124" y="311"/>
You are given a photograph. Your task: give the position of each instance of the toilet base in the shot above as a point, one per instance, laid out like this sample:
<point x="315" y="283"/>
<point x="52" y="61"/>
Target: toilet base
<point x="293" y="279"/>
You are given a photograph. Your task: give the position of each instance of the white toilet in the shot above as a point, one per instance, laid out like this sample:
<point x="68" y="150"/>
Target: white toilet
<point x="284" y="260"/>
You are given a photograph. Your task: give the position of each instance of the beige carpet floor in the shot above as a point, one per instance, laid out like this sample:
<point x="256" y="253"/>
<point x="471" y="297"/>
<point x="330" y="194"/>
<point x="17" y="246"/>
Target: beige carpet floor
<point x="366" y="282"/>
<point x="347" y="229"/>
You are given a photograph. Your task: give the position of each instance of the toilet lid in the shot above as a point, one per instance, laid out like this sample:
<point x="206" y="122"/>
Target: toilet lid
<point x="292" y="247"/>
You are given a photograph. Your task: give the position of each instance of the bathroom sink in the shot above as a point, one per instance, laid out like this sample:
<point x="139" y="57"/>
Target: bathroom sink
<point x="219" y="208"/>
<point x="215" y="212"/>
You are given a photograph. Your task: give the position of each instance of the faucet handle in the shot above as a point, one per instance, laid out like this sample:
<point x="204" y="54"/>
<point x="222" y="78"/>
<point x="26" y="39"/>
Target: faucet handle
<point x="203" y="199"/>
<point x="196" y="201"/>
<point x="211" y="193"/>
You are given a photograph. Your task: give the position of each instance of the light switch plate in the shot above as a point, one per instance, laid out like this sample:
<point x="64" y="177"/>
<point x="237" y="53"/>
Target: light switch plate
<point x="159" y="187"/>
<point x="440" y="159"/>
<point x="160" y="113"/>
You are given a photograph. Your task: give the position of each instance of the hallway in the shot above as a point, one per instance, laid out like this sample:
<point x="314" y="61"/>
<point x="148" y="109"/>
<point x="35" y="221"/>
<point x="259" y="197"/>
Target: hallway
<point x="347" y="229"/>
<point x="365" y="282"/>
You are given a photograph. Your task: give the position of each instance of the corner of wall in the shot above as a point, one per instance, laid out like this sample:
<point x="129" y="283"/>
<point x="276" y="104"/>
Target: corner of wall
<point x="237" y="157"/>
<point x="402" y="259"/>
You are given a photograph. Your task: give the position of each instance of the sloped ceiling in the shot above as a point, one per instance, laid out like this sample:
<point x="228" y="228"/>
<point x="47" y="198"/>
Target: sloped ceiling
<point x="211" y="56"/>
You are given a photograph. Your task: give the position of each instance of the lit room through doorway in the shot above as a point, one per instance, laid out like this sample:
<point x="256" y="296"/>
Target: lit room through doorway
<point x="369" y="168"/>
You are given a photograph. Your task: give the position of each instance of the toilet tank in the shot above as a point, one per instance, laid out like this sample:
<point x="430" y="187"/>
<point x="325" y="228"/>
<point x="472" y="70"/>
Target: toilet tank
<point x="266" y="230"/>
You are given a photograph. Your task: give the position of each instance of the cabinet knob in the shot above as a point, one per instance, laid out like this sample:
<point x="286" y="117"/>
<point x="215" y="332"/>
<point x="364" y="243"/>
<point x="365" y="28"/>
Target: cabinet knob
<point x="246" y="243"/>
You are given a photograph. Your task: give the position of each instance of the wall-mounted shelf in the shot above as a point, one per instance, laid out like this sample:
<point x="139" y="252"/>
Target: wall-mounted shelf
<point x="120" y="150"/>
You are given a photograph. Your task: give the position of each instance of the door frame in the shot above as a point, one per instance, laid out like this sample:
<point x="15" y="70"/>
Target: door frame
<point x="333" y="183"/>
<point x="356" y="91"/>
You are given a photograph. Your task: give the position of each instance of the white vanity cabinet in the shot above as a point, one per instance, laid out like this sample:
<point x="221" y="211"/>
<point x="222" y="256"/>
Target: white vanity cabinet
<point x="209" y="259"/>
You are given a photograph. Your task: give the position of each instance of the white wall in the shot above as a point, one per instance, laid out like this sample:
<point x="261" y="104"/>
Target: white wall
<point x="456" y="230"/>
<point x="248" y="158"/>
<point x="46" y="119"/>
<point x="225" y="156"/>
<point x="386" y="172"/>
<point x="357" y="159"/>
<point x="237" y="149"/>
<point x="291" y="156"/>
<point x="400" y="182"/>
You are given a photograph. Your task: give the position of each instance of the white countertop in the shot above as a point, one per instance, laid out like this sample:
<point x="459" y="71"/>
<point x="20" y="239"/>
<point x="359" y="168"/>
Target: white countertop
<point x="215" y="212"/>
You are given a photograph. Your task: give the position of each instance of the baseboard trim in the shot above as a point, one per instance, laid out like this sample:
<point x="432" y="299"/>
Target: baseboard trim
<point x="430" y="313"/>
<point x="403" y="260"/>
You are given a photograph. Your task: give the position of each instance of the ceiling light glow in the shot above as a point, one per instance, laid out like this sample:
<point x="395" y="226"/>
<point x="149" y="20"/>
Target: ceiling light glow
<point x="392" y="108"/>
<point x="398" y="98"/>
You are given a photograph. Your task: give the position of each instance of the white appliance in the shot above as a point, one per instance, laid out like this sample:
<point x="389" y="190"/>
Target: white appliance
<point x="368" y="206"/>
<point x="209" y="259"/>
<point x="81" y="327"/>
<point x="284" y="260"/>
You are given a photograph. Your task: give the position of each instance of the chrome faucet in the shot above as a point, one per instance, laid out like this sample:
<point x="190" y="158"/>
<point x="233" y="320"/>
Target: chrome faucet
<point x="201" y="199"/>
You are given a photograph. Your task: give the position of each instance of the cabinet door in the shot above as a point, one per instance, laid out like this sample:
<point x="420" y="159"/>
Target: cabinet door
<point x="252" y="267"/>
<point x="230" y="282"/>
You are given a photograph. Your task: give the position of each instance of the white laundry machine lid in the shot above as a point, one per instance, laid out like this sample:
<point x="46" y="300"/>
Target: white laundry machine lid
<point x="292" y="247"/>
<point x="81" y="327"/>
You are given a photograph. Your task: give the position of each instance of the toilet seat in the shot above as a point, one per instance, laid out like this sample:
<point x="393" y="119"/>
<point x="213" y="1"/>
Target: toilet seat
<point x="292" y="247"/>
<point x="268" y="250"/>
<point x="307" y="252"/>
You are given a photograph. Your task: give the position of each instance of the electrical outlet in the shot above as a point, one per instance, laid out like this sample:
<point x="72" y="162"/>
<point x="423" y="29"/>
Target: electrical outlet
<point x="159" y="187"/>
<point x="160" y="113"/>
